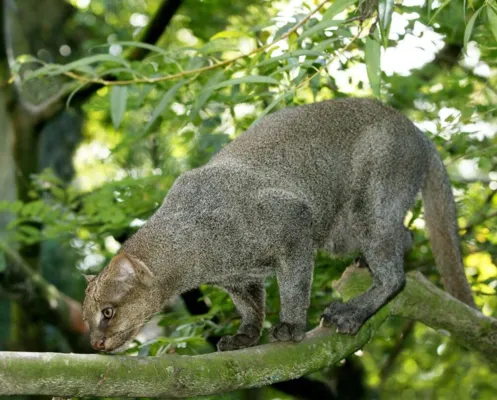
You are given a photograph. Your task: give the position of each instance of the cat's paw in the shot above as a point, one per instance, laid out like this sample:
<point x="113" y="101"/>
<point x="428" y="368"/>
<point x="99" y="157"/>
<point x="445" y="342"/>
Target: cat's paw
<point x="346" y="317"/>
<point x="285" y="332"/>
<point x="236" y="342"/>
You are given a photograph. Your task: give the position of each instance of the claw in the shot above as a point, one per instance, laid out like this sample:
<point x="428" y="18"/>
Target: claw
<point x="345" y="317"/>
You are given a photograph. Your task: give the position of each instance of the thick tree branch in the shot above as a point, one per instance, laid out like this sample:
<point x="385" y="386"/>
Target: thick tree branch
<point x="182" y="376"/>
<point x="302" y="388"/>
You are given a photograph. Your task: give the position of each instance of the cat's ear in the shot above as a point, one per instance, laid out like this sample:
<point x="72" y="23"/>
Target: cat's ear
<point x="128" y="269"/>
<point x="89" y="278"/>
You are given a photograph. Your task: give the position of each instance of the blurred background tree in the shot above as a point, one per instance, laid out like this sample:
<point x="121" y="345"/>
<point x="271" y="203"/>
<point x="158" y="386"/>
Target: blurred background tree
<point x="105" y="102"/>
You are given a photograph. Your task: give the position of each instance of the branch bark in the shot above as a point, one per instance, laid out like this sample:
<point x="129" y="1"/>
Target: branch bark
<point x="183" y="376"/>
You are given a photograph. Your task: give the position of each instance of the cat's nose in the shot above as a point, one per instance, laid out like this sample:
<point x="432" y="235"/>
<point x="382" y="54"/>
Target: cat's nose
<point x="99" y="344"/>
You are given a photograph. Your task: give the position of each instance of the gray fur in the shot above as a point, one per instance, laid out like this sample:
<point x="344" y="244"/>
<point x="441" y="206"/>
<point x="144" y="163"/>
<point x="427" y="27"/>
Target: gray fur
<point x="339" y="175"/>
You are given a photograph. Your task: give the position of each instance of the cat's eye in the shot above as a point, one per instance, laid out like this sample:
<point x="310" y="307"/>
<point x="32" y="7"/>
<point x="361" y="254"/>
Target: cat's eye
<point x="108" y="312"/>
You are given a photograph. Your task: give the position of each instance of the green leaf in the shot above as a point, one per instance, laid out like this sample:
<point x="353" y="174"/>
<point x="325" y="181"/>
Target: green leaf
<point x="326" y="44"/>
<point x="147" y="46"/>
<point x="273" y="104"/>
<point x="445" y="3"/>
<point x="35" y="209"/>
<point x="57" y="69"/>
<point x="163" y="104"/>
<point x="301" y="65"/>
<point x="246" y="79"/>
<point x="297" y="53"/>
<point x="228" y="35"/>
<point x="47" y="70"/>
<point x="11" y="206"/>
<point x="86" y="69"/>
<point x="73" y="93"/>
<point x="205" y="94"/>
<point x="492" y="20"/>
<point x="29" y="232"/>
<point x="385" y="11"/>
<point x="469" y="27"/>
<point x="59" y="193"/>
<point x="118" y="98"/>
<point x="319" y="28"/>
<point x="284" y="30"/>
<point x="337" y="7"/>
<point x="428" y="7"/>
<point x="28" y="58"/>
<point x="219" y="45"/>
<point x="372" y="57"/>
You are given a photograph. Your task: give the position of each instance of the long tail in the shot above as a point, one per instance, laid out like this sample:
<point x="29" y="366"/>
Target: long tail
<point x="441" y="220"/>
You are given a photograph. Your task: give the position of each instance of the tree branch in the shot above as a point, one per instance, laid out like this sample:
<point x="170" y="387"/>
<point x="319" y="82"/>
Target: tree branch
<point x="302" y="388"/>
<point x="155" y="28"/>
<point x="182" y="376"/>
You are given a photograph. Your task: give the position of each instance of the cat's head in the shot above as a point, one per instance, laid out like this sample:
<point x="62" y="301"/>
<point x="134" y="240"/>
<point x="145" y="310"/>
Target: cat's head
<point x="118" y="302"/>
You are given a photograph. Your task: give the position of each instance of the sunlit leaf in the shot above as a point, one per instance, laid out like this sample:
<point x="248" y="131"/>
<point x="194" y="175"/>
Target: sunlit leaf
<point x="73" y="93"/>
<point x="372" y="57"/>
<point x="337" y="7"/>
<point x="115" y="71"/>
<point x="439" y="9"/>
<point x="273" y="104"/>
<point x="141" y="45"/>
<point x="321" y="27"/>
<point x="47" y="70"/>
<point x="247" y="79"/>
<point x="218" y="45"/>
<point x="56" y="69"/>
<point x="28" y="58"/>
<point x="163" y="104"/>
<point x="205" y="94"/>
<point x="385" y="11"/>
<point x="304" y="64"/>
<point x="325" y="45"/>
<point x="492" y="20"/>
<point x="469" y="27"/>
<point x="228" y="35"/>
<point x="118" y="98"/>
<point x="285" y="56"/>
